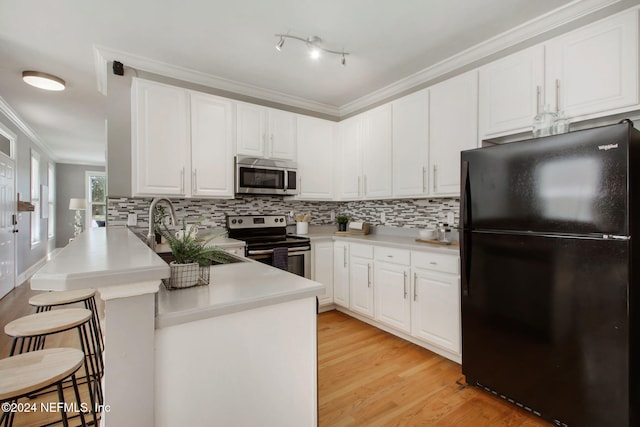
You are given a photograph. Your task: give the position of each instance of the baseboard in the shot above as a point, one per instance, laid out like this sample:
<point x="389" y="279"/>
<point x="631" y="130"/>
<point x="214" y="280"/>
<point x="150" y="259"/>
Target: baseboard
<point x="26" y="275"/>
<point x="442" y="352"/>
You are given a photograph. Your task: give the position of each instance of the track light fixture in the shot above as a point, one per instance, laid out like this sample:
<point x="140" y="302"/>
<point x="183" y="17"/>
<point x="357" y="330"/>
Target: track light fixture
<point x="314" y="43"/>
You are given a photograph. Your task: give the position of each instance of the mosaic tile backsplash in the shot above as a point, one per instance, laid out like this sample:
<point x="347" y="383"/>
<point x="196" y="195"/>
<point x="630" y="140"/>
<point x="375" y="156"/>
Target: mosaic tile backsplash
<point x="405" y="213"/>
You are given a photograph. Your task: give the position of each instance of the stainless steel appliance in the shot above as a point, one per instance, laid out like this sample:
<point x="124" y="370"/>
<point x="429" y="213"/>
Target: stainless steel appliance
<point x="256" y="175"/>
<point x="550" y="299"/>
<point x="264" y="233"/>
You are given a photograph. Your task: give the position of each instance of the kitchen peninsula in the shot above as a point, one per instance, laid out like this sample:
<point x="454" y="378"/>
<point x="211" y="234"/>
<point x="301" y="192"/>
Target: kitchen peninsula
<point x="239" y="351"/>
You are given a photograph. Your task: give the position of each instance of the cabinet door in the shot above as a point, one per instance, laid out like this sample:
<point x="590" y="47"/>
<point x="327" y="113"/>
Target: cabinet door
<point x="411" y="144"/>
<point x="322" y="269"/>
<point x="392" y="294"/>
<point x="511" y="92"/>
<point x="281" y="143"/>
<point x="593" y="71"/>
<point x="376" y="153"/>
<point x="211" y="146"/>
<point x="251" y="129"/>
<point x="361" y="286"/>
<point x="453" y="127"/>
<point x="435" y="311"/>
<point x="341" y="274"/>
<point x="349" y="172"/>
<point x="315" y="158"/>
<point x="160" y="139"/>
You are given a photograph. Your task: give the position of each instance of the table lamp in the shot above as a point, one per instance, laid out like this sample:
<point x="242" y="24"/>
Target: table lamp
<point x="77" y="205"/>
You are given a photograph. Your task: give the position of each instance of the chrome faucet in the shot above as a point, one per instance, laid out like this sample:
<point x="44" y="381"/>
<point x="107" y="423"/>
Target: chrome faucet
<point x="151" y="235"/>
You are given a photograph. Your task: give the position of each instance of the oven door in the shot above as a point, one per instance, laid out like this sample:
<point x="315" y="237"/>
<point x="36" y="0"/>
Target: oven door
<point x="299" y="261"/>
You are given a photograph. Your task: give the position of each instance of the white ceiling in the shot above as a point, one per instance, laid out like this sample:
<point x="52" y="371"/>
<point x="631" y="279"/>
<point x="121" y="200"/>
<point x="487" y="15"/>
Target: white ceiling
<point x="234" y="40"/>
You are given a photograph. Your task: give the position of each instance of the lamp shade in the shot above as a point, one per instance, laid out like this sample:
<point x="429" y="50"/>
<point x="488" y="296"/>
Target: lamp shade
<point x="77" y="204"/>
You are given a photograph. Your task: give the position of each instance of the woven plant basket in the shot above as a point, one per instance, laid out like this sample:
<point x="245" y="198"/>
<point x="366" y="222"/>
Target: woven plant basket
<point x="186" y="276"/>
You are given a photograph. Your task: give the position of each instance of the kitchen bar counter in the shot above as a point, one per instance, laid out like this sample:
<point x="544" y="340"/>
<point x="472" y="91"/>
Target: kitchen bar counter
<point x="233" y="287"/>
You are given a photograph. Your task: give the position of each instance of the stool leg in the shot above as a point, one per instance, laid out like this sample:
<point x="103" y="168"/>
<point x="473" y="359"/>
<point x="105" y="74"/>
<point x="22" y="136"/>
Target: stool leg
<point x="89" y="372"/>
<point x="90" y="304"/>
<point x="78" y="401"/>
<point x="63" y="412"/>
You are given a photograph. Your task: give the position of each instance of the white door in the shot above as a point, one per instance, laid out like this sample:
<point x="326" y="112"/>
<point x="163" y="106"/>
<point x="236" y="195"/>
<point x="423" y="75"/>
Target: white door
<point x="392" y="293"/>
<point x="211" y="146"/>
<point x="348" y="152"/>
<point x="341" y="274"/>
<point x="376" y="153"/>
<point x="323" y="269"/>
<point x="282" y="135"/>
<point x="7" y="219"/>
<point x="361" y="286"/>
<point x="315" y="158"/>
<point x="251" y="129"/>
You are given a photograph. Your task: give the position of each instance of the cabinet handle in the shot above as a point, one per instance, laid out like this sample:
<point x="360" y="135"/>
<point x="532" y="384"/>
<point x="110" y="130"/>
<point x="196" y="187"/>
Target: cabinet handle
<point x="405" y="285"/>
<point x="364" y="186"/>
<point x="271" y="146"/>
<point x="368" y="275"/>
<point x="195" y="180"/>
<point x="433" y="263"/>
<point x="415" y="286"/>
<point x="557" y="95"/>
<point x="359" y="179"/>
<point x="344" y="256"/>
<point x="182" y="180"/>
<point x="424" y="179"/>
<point x="538" y="91"/>
<point x="435" y="177"/>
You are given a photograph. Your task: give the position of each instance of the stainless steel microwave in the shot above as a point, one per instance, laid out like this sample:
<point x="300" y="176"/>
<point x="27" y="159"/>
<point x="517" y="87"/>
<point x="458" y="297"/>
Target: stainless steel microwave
<point x="256" y="175"/>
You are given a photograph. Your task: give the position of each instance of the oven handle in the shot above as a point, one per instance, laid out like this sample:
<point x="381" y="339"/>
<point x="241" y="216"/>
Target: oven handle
<point x="270" y="251"/>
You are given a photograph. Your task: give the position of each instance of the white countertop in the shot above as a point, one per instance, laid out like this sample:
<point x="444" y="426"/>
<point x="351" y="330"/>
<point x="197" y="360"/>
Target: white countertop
<point x="100" y="257"/>
<point x="232" y="288"/>
<point x="400" y="241"/>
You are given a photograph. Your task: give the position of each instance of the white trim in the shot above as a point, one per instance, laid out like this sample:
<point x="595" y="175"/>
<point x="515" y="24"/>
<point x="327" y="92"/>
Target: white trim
<point x="12" y="137"/>
<point x="24" y="127"/>
<point x="535" y="27"/>
<point x="88" y="216"/>
<point x="21" y="278"/>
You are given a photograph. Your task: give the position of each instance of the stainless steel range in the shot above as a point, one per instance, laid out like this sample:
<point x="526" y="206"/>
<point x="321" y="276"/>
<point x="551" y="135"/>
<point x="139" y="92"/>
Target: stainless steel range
<point x="264" y="233"/>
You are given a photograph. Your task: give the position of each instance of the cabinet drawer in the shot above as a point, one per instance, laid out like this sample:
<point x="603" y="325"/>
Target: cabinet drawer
<point x="436" y="262"/>
<point x="396" y="256"/>
<point x="362" y="251"/>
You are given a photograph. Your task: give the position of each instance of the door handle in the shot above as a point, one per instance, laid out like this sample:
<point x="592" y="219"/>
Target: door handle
<point x="182" y="180"/>
<point x="368" y="275"/>
<point x="344" y="256"/>
<point x="195" y="180"/>
<point x="557" y="95"/>
<point x="435" y="177"/>
<point x="405" y="285"/>
<point x="424" y="179"/>
<point x="538" y="90"/>
<point x="415" y="286"/>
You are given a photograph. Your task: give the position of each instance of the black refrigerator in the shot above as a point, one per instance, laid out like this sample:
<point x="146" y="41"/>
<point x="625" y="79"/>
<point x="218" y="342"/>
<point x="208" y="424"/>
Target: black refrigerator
<point x="550" y="298"/>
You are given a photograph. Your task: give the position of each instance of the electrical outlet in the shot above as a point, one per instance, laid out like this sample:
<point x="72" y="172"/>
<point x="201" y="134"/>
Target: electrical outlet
<point x="333" y="215"/>
<point x="383" y="217"/>
<point x="450" y="218"/>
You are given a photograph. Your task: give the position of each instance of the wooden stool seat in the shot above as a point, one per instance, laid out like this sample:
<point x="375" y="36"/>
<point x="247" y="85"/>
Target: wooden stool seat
<point x="48" y="322"/>
<point x="61" y="297"/>
<point x="26" y="373"/>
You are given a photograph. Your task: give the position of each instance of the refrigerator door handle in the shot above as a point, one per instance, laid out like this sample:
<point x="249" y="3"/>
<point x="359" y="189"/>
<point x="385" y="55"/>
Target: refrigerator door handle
<point x="465" y="220"/>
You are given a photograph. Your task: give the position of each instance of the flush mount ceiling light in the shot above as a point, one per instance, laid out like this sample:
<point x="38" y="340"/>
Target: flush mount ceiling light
<point x="43" y="80"/>
<point x="314" y="43"/>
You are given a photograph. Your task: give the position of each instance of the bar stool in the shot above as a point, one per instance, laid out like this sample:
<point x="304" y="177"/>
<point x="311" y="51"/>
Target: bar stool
<point x="28" y="331"/>
<point x="46" y="300"/>
<point x="32" y="372"/>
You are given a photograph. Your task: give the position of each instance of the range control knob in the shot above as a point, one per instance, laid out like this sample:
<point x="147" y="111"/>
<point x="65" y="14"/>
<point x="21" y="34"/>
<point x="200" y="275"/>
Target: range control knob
<point x="239" y="221"/>
<point x="233" y="221"/>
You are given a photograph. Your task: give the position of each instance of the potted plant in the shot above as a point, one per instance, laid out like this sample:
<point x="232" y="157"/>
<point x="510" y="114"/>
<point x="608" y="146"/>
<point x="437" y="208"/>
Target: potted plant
<point x="192" y="257"/>
<point x="342" y="221"/>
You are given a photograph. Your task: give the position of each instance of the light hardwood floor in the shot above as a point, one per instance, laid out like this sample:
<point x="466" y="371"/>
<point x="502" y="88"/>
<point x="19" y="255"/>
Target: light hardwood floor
<point x="367" y="377"/>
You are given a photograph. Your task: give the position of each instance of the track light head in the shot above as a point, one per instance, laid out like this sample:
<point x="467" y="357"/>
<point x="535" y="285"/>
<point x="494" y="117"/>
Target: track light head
<point x="280" y="44"/>
<point x="314" y="43"/>
<point x="343" y="61"/>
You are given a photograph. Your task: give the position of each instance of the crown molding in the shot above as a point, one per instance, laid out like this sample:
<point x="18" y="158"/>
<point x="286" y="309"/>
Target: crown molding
<point x="103" y="55"/>
<point x="10" y="114"/>
<point x="535" y="27"/>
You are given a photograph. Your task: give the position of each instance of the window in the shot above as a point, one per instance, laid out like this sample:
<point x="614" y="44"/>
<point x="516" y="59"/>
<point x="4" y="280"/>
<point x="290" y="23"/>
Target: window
<point x="96" y="195"/>
<point x="51" y="180"/>
<point x="35" y="198"/>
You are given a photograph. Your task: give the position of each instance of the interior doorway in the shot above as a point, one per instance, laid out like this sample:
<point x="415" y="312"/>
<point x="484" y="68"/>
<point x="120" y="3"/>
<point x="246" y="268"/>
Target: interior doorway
<point x="8" y="212"/>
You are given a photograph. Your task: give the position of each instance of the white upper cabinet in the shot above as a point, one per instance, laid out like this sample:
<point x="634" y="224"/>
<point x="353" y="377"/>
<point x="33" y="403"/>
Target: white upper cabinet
<point x="181" y="142"/>
<point x="376" y="153"/>
<point x="453" y="127"/>
<point x="160" y="139"/>
<point x="315" y="158"/>
<point x="593" y="71"/>
<point x="265" y="132"/>
<point x="588" y="73"/>
<point x="365" y="155"/>
<point x="411" y="145"/>
<point x="511" y="91"/>
<point x="211" y="146"/>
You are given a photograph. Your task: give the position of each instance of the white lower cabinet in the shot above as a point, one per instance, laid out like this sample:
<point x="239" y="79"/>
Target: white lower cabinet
<point x="361" y="279"/>
<point x="392" y="294"/>
<point x="322" y="269"/>
<point x="341" y="274"/>
<point x="435" y="306"/>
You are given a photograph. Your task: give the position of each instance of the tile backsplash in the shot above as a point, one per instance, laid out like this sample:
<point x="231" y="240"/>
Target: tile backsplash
<point x="406" y="213"/>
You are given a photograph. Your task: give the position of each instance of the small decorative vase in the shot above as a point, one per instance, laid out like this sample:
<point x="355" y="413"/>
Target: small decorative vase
<point x="184" y="275"/>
